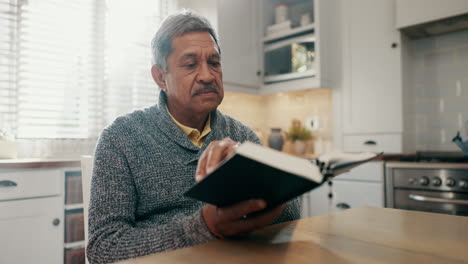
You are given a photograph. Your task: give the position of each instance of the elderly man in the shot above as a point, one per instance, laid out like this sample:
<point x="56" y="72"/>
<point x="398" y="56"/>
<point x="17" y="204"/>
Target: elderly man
<point x="146" y="160"/>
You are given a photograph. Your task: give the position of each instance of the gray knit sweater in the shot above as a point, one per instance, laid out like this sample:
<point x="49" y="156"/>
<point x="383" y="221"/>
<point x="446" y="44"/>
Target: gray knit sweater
<point x="142" y="166"/>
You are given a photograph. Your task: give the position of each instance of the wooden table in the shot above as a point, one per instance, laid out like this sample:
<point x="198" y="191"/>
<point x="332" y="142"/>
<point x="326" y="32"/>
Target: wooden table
<point x="361" y="235"/>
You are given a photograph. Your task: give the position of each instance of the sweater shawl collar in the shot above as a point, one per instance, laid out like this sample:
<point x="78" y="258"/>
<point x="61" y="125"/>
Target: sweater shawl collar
<point x="172" y="131"/>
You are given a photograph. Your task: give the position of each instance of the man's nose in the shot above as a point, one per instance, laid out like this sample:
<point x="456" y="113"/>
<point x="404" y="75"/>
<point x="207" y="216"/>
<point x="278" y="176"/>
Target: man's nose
<point x="205" y="75"/>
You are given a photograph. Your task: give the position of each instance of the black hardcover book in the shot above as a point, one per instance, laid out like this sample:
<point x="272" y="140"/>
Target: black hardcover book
<point x="257" y="172"/>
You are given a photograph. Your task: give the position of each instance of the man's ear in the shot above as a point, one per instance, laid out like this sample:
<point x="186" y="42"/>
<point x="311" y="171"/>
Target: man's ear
<point x="159" y="76"/>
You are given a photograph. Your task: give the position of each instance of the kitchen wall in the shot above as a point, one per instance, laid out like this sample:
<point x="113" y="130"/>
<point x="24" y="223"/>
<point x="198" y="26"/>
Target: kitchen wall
<point x="436" y="103"/>
<point x="263" y="112"/>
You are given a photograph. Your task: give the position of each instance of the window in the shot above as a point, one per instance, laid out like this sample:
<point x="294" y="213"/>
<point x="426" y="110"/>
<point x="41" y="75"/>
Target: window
<point x="8" y="37"/>
<point x="68" y="68"/>
<point x="129" y="30"/>
<point x="57" y="67"/>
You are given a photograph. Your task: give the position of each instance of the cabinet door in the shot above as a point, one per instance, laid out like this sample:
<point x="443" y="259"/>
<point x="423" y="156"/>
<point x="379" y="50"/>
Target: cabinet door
<point x="317" y="202"/>
<point x="372" y="77"/>
<point x="352" y="194"/>
<point x="31" y="231"/>
<point x="372" y="171"/>
<point x="239" y="41"/>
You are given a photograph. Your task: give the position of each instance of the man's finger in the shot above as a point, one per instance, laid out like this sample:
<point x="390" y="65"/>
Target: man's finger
<point x="251" y="224"/>
<point x="237" y="211"/>
<point x="218" y="153"/>
<point x="201" y="167"/>
<point x="231" y="149"/>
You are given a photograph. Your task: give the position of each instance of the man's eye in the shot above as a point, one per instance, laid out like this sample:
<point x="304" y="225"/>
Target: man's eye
<point x="190" y="65"/>
<point x="215" y="64"/>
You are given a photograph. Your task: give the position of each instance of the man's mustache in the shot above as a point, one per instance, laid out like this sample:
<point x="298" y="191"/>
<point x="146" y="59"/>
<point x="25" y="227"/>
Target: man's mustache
<point x="206" y="88"/>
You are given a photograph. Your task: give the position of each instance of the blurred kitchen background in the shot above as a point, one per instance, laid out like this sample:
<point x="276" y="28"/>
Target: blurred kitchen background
<point x="68" y="69"/>
<point x="308" y="76"/>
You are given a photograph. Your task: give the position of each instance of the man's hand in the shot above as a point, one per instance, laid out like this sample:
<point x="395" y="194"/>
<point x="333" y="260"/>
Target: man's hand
<point x="231" y="220"/>
<point x="213" y="155"/>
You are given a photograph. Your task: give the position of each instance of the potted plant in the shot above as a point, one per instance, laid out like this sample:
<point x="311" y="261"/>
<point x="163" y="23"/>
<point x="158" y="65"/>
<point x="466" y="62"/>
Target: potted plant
<point x="299" y="135"/>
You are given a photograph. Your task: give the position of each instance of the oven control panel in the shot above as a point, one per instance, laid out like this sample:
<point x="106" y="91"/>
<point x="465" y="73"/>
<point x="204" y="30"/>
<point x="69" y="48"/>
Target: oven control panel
<point x="431" y="179"/>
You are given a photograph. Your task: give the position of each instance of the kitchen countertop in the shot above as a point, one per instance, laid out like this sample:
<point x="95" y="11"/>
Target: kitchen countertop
<point x="37" y="163"/>
<point x="359" y="235"/>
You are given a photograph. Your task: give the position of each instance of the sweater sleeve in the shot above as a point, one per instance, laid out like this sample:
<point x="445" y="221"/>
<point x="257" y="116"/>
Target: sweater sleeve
<point x="113" y="233"/>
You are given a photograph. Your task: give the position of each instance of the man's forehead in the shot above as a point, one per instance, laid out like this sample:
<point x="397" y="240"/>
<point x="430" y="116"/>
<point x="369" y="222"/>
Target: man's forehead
<point x="192" y="42"/>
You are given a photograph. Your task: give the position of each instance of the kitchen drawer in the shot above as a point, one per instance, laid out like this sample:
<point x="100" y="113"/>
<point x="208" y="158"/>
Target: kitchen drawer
<point x="353" y="194"/>
<point x="371" y="171"/>
<point x="388" y="143"/>
<point x="30" y="183"/>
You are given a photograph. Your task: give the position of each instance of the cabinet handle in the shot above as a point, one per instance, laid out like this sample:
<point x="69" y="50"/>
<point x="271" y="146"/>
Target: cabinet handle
<point x="56" y="222"/>
<point x="394" y="45"/>
<point x="8" y="183"/>
<point x="370" y="142"/>
<point x="343" y="206"/>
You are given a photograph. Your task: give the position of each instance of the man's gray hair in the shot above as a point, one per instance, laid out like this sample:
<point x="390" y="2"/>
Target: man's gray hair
<point x="176" y="25"/>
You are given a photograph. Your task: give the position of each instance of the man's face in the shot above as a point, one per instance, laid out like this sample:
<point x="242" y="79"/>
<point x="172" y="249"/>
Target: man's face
<point x="193" y="82"/>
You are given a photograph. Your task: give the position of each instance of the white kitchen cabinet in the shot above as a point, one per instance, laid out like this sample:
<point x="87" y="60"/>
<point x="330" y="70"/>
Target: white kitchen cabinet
<point x="369" y="172"/>
<point x="353" y="194"/>
<point x="239" y="40"/>
<point x="31" y="231"/>
<point x="388" y="143"/>
<point x="372" y="83"/>
<point x="31" y="218"/>
<point x="317" y="202"/>
<point x="414" y="12"/>
<point x="323" y="30"/>
<point x="241" y="29"/>
<point x="35" y="224"/>
<point x="362" y="186"/>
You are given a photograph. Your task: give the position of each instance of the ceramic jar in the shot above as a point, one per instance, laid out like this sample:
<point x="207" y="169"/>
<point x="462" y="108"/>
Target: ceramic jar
<point x="281" y="13"/>
<point x="276" y="140"/>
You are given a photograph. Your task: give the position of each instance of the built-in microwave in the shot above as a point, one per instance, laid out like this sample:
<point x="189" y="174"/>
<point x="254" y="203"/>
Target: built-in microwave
<point x="288" y="59"/>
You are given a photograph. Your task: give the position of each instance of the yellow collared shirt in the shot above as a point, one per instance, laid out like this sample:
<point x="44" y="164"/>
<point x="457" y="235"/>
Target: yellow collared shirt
<point x="193" y="134"/>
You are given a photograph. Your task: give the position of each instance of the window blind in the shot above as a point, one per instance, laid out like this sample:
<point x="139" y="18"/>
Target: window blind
<point x="8" y="48"/>
<point x="57" y="68"/>
<point x="130" y="26"/>
<point x="68" y="68"/>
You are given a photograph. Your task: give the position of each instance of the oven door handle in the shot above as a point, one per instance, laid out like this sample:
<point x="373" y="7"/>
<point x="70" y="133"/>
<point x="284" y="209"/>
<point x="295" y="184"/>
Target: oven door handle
<point x="421" y="198"/>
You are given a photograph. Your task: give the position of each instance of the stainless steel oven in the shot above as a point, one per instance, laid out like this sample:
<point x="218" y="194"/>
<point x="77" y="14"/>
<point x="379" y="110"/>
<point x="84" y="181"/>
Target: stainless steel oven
<point x="429" y="187"/>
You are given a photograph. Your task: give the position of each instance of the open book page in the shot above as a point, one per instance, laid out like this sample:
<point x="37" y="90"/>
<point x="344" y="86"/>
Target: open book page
<point x="281" y="161"/>
<point x="254" y="172"/>
<point x="337" y="163"/>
